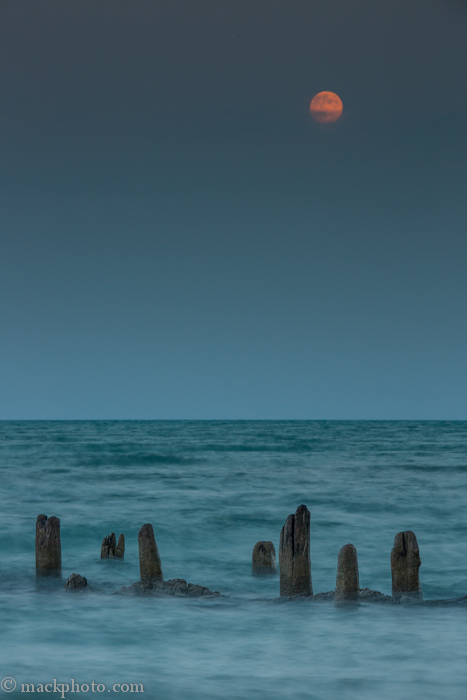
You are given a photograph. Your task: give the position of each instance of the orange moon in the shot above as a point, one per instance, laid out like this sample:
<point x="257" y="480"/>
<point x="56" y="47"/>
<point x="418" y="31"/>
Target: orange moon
<point x="326" y="107"/>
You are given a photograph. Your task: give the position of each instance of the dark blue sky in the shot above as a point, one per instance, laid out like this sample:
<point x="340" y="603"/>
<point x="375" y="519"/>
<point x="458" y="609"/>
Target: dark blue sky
<point x="179" y="239"/>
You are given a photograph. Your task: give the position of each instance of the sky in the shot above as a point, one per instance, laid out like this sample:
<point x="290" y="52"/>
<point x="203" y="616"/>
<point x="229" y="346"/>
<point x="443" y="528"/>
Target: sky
<point x="179" y="239"/>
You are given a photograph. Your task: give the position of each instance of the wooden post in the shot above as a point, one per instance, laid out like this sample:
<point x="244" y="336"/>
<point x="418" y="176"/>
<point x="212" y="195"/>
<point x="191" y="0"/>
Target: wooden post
<point x="149" y="559"/>
<point x="405" y="563"/>
<point x="263" y="559"/>
<point x="110" y="548"/>
<point x="120" y="548"/>
<point x="294" y="555"/>
<point x="48" y="548"/>
<point x="347" y="580"/>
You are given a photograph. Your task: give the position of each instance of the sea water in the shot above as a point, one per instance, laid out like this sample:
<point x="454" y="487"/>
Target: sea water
<point x="211" y="490"/>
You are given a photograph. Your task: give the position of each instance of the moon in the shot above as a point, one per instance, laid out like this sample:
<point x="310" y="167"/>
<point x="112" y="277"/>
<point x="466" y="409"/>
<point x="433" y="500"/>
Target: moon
<point x="326" y="107"/>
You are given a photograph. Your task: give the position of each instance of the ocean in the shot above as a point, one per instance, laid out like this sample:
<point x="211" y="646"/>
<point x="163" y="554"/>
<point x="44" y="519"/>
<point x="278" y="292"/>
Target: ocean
<point x="211" y="490"/>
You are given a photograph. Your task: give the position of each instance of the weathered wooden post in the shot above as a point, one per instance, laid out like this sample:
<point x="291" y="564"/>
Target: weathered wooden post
<point x="405" y="563"/>
<point x="110" y="548"/>
<point x="294" y="555"/>
<point x="347" y="580"/>
<point x="120" y="548"/>
<point x="48" y="547"/>
<point x="149" y="559"/>
<point x="263" y="559"/>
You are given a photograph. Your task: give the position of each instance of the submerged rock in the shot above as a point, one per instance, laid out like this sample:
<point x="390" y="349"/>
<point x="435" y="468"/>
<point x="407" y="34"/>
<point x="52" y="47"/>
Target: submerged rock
<point x="264" y="559"/>
<point x="48" y="546"/>
<point x="364" y="595"/>
<point x="75" y="582"/>
<point x="369" y="596"/>
<point x="176" y="587"/>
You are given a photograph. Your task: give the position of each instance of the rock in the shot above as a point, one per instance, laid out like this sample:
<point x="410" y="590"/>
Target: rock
<point x="369" y="596"/>
<point x="264" y="559"/>
<point x="149" y="559"/>
<point x="110" y="549"/>
<point x="48" y="547"/>
<point x="364" y="594"/>
<point x="294" y="555"/>
<point x="195" y="591"/>
<point x="75" y="582"/>
<point x="347" y="581"/>
<point x="405" y="563"/>
<point x="176" y="587"/>
<point x="135" y="587"/>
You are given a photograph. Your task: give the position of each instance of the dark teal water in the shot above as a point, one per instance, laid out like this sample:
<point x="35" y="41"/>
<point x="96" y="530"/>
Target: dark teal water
<point x="211" y="490"/>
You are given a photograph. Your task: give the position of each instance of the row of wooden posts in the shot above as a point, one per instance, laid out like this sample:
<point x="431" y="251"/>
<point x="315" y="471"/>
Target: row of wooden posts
<point x="294" y="558"/>
<point x="49" y="550"/>
<point x="295" y="564"/>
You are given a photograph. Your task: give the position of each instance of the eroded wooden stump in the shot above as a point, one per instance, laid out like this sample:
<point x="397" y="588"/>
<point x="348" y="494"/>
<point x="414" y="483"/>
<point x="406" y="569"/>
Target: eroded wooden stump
<point x="120" y="548"/>
<point x="149" y="559"/>
<point x="110" y="549"/>
<point x="108" y="546"/>
<point x="347" y="579"/>
<point x="405" y="564"/>
<point x="294" y="555"/>
<point x="264" y="559"/>
<point x="48" y="547"/>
